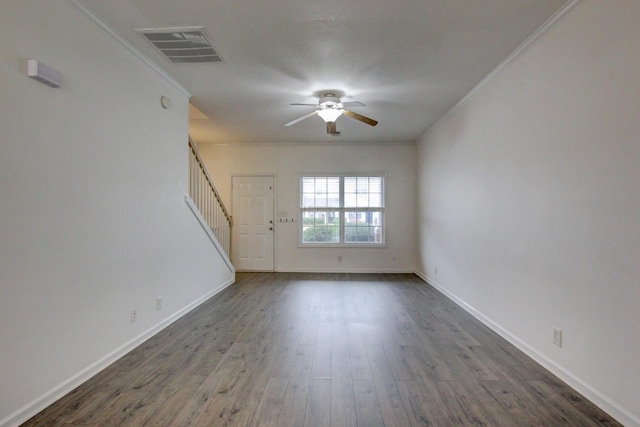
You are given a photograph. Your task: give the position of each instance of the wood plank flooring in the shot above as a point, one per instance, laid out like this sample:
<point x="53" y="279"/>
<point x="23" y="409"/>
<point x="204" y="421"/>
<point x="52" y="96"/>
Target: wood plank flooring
<point x="284" y="349"/>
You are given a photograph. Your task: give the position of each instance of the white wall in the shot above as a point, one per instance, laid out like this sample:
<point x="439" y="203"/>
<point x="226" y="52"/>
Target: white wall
<point x="288" y="161"/>
<point x="529" y="201"/>
<point x="92" y="218"/>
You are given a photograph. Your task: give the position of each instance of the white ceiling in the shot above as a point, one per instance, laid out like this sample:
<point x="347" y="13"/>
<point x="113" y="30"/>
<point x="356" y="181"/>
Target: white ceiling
<point x="409" y="61"/>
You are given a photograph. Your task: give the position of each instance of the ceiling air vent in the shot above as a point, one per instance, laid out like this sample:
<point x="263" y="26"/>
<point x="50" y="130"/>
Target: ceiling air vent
<point x="185" y="45"/>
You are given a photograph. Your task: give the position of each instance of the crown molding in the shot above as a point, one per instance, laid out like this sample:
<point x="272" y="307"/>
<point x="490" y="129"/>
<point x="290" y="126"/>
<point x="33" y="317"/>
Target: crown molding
<point x="80" y="7"/>
<point x="563" y="12"/>
<point x="307" y="143"/>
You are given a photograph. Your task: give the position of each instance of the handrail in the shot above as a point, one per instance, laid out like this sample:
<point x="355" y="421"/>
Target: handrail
<point x="207" y="199"/>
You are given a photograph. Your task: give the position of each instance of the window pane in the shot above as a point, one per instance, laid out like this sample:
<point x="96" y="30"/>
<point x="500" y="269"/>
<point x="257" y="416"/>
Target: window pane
<point x="375" y="192"/>
<point x="320" y="191"/>
<point x="363" y="184"/>
<point x="375" y="200"/>
<point x="350" y="191"/>
<point x="333" y="192"/>
<point x="307" y="196"/>
<point x="363" y="192"/>
<point x="363" y="227"/>
<point x="321" y="227"/>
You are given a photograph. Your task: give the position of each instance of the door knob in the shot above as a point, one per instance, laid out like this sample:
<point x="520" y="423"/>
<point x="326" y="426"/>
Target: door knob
<point x="270" y="228"/>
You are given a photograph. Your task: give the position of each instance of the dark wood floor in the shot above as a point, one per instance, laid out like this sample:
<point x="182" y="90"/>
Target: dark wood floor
<point x="280" y="349"/>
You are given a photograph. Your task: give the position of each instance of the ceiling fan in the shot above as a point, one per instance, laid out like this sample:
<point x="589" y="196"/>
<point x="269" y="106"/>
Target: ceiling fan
<point x="329" y="108"/>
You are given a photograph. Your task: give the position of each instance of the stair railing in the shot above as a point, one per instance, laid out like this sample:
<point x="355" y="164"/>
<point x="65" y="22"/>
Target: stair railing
<point x="208" y="201"/>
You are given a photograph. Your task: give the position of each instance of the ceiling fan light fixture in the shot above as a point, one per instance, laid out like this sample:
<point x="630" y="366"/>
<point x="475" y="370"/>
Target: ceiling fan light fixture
<point x="330" y="114"/>
<point x="329" y="108"/>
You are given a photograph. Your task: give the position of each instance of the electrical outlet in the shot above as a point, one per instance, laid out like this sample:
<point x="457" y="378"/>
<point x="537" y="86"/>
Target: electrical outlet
<point x="158" y="303"/>
<point x="339" y="258"/>
<point x="134" y="315"/>
<point x="557" y="337"/>
<point x="435" y="270"/>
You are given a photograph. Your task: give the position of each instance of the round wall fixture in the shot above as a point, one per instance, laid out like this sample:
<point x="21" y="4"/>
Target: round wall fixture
<point x="165" y="102"/>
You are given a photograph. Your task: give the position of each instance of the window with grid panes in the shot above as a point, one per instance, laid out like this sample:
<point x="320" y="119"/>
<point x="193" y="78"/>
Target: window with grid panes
<point x="342" y="210"/>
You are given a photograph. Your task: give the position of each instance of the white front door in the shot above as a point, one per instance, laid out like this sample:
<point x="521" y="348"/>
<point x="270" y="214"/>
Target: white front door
<point x="252" y="236"/>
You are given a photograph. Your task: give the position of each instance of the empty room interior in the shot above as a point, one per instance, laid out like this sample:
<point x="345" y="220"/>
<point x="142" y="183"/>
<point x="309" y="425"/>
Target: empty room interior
<point x="341" y="213"/>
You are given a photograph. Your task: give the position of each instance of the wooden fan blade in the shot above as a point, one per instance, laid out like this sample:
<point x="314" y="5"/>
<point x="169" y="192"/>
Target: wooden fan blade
<point x="299" y="119"/>
<point x="306" y="105"/>
<point x="331" y="128"/>
<point x="360" y="117"/>
<point x="352" y="104"/>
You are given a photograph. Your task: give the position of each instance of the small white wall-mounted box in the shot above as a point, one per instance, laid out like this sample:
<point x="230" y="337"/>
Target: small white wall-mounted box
<point x="43" y="73"/>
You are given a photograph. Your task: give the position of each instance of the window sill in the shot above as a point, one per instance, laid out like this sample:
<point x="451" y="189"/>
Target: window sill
<point x="343" y="245"/>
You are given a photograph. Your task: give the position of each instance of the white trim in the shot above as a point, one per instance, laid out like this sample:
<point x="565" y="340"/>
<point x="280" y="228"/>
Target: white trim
<point x="513" y="56"/>
<point x="309" y="143"/>
<point x="587" y="390"/>
<point x="347" y="270"/>
<point x="207" y="230"/>
<point x="79" y="6"/>
<point x="372" y="245"/>
<point x="50" y="397"/>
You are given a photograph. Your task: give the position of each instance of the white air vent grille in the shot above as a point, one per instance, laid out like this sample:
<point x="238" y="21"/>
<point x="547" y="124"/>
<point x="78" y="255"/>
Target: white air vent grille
<point x="182" y="45"/>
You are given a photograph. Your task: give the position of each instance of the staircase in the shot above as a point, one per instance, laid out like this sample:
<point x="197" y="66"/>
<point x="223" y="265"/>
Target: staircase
<point x="206" y="199"/>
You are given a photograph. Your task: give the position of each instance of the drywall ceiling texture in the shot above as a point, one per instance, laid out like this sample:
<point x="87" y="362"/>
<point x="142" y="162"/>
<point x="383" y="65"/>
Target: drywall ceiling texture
<point x="529" y="199"/>
<point x="287" y="162"/>
<point x="409" y="61"/>
<point x="93" y="222"/>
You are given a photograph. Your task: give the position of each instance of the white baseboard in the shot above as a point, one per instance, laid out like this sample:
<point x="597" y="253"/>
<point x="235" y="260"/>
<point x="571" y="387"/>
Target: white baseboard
<point x="48" y="398"/>
<point x="346" y="270"/>
<point x="596" y="397"/>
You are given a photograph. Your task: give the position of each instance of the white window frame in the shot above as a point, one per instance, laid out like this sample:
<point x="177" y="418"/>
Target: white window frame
<point x="342" y="211"/>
